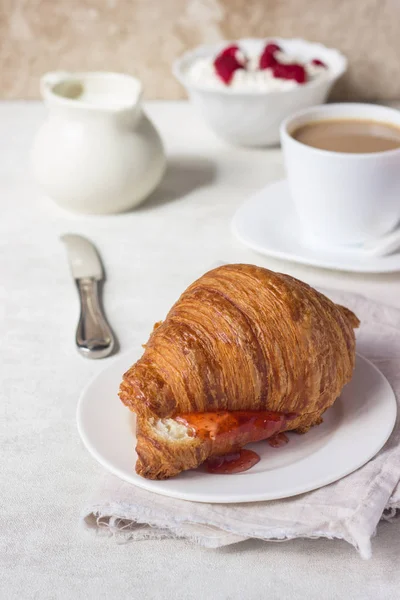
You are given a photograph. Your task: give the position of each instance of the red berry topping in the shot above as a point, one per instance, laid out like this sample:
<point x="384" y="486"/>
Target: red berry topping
<point x="225" y="66"/>
<point x="236" y="52"/>
<point x="267" y="59"/>
<point x="272" y="48"/>
<point x="231" y="50"/>
<point x="290" y="71"/>
<point x="318" y="63"/>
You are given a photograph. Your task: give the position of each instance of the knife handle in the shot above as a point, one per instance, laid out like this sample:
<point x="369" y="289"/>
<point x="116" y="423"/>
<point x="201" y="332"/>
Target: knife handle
<point x="94" y="337"/>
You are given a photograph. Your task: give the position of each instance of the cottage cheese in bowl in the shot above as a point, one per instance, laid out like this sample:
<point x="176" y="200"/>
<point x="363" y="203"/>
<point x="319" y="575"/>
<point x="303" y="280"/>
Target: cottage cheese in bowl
<point x="252" y="73"/>
<point x="246" y="88"/>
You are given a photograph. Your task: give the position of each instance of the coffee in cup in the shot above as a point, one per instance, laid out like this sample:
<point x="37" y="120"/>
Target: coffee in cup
<point x="356" y="136"/>
<point x="343" y="168"/>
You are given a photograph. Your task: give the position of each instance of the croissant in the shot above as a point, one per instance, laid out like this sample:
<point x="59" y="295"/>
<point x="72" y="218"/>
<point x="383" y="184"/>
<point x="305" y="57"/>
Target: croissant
<point x="244" y="353"/>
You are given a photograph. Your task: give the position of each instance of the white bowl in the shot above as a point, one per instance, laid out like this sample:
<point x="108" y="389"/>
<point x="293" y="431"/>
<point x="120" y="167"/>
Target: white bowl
<point x="252" y="118"/>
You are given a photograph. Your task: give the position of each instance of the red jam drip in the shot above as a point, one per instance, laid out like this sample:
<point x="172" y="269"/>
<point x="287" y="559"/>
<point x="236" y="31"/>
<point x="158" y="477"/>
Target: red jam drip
<point x="257" y="425"/>
<point x="235" y="429"/>
<point x="237" y="462"/>
<point x="278" y="440"/>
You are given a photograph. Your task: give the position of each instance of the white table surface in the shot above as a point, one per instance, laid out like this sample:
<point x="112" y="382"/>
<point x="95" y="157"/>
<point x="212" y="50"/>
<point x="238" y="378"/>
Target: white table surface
<point x="150" y="256"/>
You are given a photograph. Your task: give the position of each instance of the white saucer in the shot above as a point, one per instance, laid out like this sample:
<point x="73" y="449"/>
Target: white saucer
<point x="268" y="224"/>
<point x="354" y="429"/>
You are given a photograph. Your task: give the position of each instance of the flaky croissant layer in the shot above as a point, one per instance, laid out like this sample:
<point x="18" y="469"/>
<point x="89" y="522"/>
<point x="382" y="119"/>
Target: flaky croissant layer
<point x="244" y="338"/>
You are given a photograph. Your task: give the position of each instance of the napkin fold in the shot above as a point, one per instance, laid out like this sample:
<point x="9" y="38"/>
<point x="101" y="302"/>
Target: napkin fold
<point x="348" y="509"/>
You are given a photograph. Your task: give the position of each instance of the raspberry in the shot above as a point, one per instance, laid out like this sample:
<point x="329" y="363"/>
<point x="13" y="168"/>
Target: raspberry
<point x="318" y="63"/>
<point x="290" y="71"/>
<point x="225" y="66"/>
<point x="237" y="53"/>
<point x="228" y="61"/>
<point x="231" y="50"/>
<point x="272" y="48"/>
<point x="267" y="59"/>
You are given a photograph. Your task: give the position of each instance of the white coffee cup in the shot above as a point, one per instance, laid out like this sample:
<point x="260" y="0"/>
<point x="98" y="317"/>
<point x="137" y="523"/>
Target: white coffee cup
<point x="342" y="198"/>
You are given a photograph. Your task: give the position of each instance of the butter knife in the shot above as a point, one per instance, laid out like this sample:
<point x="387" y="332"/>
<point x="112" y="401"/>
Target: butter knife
<point x="94" y="337"/>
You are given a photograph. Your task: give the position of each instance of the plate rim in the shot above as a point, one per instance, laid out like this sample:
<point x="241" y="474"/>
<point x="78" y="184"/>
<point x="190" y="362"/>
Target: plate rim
<point x="150" y="485"/>
<point x="324" y="263"/>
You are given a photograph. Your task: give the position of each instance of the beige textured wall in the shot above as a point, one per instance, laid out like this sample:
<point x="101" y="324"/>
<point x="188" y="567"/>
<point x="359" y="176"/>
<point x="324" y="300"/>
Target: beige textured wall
<point x="143" y="37"/>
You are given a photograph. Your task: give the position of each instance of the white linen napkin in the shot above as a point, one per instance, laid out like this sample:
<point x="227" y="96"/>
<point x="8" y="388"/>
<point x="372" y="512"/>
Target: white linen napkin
<point x="349" y="509"/>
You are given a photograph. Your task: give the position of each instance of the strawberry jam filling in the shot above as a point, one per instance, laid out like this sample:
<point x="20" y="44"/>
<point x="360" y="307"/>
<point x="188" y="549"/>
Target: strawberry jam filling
<point x="258" y="425"/>
<point x="229" y="431"/>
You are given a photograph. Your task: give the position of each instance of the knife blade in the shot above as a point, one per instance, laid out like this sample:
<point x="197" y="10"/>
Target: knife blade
<point x="94" y="337"/>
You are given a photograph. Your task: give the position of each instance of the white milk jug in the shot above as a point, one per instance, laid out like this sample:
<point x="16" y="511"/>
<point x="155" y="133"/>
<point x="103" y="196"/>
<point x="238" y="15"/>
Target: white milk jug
<point x="97" y="152"/>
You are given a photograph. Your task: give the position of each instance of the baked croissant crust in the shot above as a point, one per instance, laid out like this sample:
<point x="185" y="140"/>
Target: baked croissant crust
<point x="240" y="338"/>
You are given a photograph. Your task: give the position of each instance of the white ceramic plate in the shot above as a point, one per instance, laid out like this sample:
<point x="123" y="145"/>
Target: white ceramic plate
<point x="353" y="431"/>
<point x="268" y="224"/>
